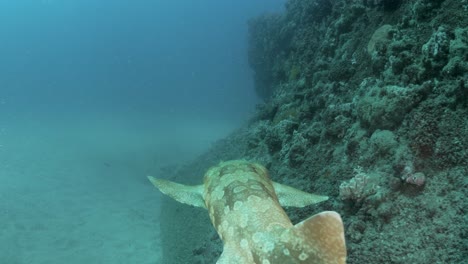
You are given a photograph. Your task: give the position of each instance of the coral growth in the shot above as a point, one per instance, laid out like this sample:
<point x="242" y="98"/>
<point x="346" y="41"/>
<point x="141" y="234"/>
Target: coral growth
<point x="358" y="188"/>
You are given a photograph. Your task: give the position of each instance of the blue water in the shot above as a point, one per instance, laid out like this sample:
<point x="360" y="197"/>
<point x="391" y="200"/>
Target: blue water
<point x="94" y="96"/>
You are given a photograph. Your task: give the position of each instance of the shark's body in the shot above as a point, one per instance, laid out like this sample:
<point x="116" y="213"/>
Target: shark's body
<point x="245" y="208"/>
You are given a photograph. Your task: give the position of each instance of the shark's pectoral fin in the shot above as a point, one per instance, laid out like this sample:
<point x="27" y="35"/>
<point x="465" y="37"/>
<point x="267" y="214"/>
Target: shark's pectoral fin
<point x="325" y="232"/>
<point x="289" y="196"/>
<point x="192" y="195"/>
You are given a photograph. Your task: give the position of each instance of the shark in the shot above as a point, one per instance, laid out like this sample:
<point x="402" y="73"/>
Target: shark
<point x="246" y="209"/>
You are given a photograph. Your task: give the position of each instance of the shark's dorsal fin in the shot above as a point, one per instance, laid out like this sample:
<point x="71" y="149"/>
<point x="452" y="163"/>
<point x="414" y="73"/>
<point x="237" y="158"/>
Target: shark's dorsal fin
<point x="325" y="232"/>
<point x="292" y="197"/>
<point x="191" y="195"/>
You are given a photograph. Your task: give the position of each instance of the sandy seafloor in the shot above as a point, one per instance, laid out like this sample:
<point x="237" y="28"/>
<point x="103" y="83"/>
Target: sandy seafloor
<point x="73" y="189"/>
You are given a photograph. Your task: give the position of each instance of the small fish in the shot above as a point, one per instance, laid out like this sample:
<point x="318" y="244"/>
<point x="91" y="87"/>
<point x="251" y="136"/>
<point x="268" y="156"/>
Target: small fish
<point x="244" y="206"/>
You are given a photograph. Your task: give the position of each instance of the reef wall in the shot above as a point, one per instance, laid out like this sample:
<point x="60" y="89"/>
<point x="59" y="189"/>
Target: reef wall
<point x="365" y="101"/>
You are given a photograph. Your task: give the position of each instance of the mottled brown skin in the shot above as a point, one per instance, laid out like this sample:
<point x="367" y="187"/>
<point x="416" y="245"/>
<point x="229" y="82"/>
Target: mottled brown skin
<point x="244" y="208"/>
<point x="245" y="211"/>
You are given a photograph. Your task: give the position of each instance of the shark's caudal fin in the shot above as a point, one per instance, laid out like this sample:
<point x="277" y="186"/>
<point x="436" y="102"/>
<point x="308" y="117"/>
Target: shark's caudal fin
<point x="325" y="232"/>
<point x="191" y="195"/>
<point x="292" y="197"/>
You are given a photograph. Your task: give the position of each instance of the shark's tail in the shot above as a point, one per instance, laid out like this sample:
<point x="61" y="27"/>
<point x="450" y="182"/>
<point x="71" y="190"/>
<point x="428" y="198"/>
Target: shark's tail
<point x="325" y="233"/>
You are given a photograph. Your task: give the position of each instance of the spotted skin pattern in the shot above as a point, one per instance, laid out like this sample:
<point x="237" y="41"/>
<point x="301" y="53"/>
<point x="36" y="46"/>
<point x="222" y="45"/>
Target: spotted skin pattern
<point x="245" y="210"/>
